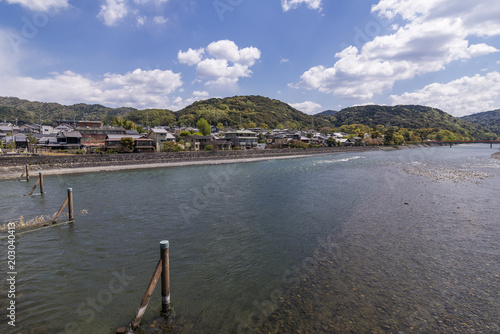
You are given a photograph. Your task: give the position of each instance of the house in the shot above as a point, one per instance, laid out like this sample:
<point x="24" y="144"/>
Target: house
<point x="242" y="138"/>
<point x="13" y="129"/>
<point x="160" y="137"/>
<point x="90" y="124"/>
<point x="68" y="140"/>
<point x="36" y="128"/>
<point x="141" y="143"/>
<point x="198" y="143"/>
<point x="96" y="136"/>
<point x="62" y="127"/>
<point x="20" y="140"/>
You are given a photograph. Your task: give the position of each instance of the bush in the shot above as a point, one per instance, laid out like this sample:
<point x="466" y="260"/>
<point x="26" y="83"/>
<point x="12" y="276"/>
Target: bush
<point x="298" y="144"/>
<point x="209" y="148"/>
<point x="171" y="147"/>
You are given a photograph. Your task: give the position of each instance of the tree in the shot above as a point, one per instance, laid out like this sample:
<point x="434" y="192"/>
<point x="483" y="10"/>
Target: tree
<point x="204" y="127"/>
<point x="209" y="148"/>
<point x="331" y="142"/>
<point x="184" y="134"/>
<point x="310" y="135"/>
<point x="171" y="147"/>
<point x="325" y="130"/>
<point x="128" y="143"/>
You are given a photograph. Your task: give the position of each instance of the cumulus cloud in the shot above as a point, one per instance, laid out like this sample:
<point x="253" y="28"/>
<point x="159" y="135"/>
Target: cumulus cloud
<point x="40" y="5"/>
<point x="224" y="65"/>
<point x="113" y="11"/>
<point x="178" y="103"/>
<point x="307" y="107"/>
<point x="460" y="97"/>
<point x="436" y="34"/>
<point x="140" y="88"/>
<point x="190" y="57"/>
<point x="293" y="4"/>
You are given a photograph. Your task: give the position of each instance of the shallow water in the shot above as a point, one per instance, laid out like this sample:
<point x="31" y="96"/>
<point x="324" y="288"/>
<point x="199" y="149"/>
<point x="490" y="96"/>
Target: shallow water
<point x="367" y="243"/>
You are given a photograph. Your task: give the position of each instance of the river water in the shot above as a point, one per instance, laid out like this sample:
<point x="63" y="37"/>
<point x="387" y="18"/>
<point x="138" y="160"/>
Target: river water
<point x="372" y="242"/>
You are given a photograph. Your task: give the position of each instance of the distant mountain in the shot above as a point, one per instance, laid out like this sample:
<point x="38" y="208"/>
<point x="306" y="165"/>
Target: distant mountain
<point x="249" y="111"/>
<point x="12" y="108"/>
<point x="406" y="116"/>
<point x="327" y="113"/>
<point x="488" y="119"/>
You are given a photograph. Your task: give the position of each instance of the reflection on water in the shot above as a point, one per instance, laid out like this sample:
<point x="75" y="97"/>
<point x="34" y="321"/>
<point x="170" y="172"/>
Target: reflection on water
<point x="344" y="243"/>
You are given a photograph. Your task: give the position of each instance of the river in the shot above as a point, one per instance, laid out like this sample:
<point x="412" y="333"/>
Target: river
<point x="388" y="241"/>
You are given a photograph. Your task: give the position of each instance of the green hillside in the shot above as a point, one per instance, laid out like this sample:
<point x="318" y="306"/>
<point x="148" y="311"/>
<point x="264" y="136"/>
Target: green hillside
<point x="489" y="119"/>
<point x="25" y="111"/>
<point x="249" y="111"/>
<point x="407" y="116"/>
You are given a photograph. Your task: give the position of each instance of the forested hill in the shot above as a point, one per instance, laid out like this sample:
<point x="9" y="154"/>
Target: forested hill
<point x="406" y="116"/>
<point x="12" y="108"/>
<point x="489" y="119"/>
<point x="249" y="111"/>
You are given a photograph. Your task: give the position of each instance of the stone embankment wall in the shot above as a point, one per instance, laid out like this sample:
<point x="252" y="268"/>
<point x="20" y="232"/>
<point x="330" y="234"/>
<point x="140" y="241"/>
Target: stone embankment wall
<point x="95" y="160"/>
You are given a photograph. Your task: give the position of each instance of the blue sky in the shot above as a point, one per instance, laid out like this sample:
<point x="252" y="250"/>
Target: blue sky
<point x="312" y="54"/>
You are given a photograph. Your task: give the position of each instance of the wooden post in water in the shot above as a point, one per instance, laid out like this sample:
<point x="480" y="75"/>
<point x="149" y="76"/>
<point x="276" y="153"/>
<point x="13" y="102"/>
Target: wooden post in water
<point x="165" y="277"/>
<point x="145" y="299"/>
<point x="34" y="187"/>
<point x="70" y="204"/>
<point x="27" y="172"/>
<point x="40" y="176"/>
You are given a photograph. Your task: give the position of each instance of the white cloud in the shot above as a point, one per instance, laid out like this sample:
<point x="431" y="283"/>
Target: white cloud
<point x="140" y="89"/>
<point x="436" y="35"/>
<point x="293" y="4"/>
<point x="141" y="20"/>
<point x="460" y="97"/>
<point x="191" y="57"/>
<point x="40" y="5"/>
<point x="228" y="65"/>
<point x="228" y="50"/>
<point x="284" y="60"/>
<point x="178" y="103"/>
<point x="113" y="11"/>
<point x="307" y="107"/>
<point x="159" y="20"/>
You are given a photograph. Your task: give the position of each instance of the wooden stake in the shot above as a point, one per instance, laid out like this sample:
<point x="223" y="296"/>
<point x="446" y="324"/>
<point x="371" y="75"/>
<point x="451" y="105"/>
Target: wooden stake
<point x="70" y="204"/>
<point x="165" y="277"/>
<point x="27" y="172"/>
<point x="34" y="187"/>
<point x="58" y="214"/>
<point x="41" y="182"/>
<point x="147" y="296"/>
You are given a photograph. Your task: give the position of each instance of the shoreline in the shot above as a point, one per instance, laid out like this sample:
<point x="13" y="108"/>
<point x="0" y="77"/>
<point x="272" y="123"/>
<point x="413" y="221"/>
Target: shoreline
<point x="114" y="168"/>
<point x="93" y="164"/>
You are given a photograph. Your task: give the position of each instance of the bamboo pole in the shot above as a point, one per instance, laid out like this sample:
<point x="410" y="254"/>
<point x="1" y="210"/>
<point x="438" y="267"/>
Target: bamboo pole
<point x="165" y="277"/>
<point x="70" y="204"/>
<point x="147" y="296"/>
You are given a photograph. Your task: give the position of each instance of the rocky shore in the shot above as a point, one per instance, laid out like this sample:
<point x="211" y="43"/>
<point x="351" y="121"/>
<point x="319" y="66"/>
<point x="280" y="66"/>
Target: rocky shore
<point x="11" y="167"/>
